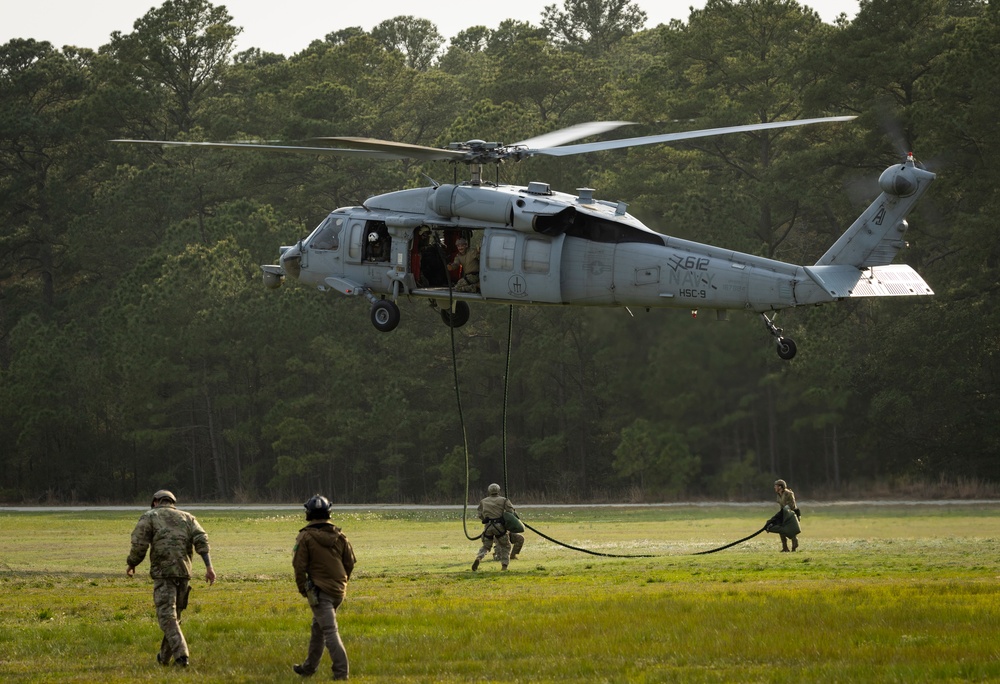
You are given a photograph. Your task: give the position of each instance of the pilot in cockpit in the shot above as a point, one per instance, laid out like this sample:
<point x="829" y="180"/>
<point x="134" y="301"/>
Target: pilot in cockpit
<point x="378" y="247"/>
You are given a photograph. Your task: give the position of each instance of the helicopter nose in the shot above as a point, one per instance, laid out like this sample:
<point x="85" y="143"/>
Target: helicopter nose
<point x="291" y="261"/>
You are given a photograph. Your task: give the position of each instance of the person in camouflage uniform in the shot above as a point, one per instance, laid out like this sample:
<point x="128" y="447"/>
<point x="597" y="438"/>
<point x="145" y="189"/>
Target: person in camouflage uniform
<point x="490" y="511"/>
<point x="323" y="561"/>
<point x="468" y="258"/>
<point x="169" y="535"/>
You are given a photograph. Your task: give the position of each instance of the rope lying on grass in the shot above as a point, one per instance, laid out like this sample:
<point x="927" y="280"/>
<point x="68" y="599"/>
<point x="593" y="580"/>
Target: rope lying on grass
<point x="738" y="541"/>
<point x="592" y="553"/>
<point x="647" y="555"/>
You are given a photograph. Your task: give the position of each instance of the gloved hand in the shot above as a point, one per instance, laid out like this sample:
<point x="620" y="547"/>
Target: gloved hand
<point x="311" y="593"/>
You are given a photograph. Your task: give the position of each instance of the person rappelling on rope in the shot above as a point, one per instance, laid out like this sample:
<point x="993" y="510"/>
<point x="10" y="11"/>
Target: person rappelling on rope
<point x="785" y="523"/>
<point x="492" y="511"/>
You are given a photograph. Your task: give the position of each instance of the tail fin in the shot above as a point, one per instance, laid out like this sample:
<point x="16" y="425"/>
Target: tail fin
<point x="877" y="235"/>
<point x="858" y="264"/>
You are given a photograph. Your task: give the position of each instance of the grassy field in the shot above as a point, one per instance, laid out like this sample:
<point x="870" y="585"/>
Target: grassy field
<point x="905" y="593"/>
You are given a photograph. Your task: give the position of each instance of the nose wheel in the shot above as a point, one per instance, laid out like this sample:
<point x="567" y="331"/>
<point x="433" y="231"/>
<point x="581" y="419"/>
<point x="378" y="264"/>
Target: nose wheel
<point x="786" y="345"/>
<point x="385" y="315"/>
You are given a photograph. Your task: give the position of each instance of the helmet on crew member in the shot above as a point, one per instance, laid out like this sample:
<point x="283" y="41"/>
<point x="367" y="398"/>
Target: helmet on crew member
<point x="372" y="237"/>
<point x="780" y="483"/>
<point x="318" y="508"/>
<point x="493" y="488"/>
<point x="162" y="494"/>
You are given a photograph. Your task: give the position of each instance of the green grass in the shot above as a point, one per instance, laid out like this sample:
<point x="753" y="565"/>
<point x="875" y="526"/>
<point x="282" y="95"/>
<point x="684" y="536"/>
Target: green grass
<point x="876" y="594"/>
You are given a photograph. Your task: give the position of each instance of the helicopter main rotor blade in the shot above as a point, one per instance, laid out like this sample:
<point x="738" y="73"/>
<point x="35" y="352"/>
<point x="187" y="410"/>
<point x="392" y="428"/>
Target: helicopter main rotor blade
<point x="479" y="152"/>
<point x="673" y="137"/>
<point x="261" y="146"/>
<point x="399" y="150"/>
<point x="565" y="135"/>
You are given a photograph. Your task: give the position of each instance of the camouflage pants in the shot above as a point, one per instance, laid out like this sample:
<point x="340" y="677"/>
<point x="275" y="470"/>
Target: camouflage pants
<point x="325" y="633"/>
<point x="516" y="542"/>
<point x="166" y="593"/>
<point x="469" y="283"/>
<point x="503" y="547"/>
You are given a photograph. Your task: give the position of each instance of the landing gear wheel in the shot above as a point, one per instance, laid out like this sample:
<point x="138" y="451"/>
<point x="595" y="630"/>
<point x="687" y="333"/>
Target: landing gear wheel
<point x="385" y="315"/>
<point x="786" y="348"/>
<point x="457" y="319"/>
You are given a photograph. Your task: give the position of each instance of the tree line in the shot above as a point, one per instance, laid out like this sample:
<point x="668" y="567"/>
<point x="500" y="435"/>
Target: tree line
<point x="138" y="349"/>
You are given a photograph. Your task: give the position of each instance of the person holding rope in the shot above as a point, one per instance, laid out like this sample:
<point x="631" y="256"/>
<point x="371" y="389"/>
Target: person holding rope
<point x="490" y="511"/>
<point x="785" y="522"/>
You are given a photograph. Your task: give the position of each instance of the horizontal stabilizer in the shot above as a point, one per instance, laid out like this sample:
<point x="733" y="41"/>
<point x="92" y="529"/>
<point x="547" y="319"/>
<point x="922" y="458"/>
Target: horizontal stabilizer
<point x="894" y="280"/>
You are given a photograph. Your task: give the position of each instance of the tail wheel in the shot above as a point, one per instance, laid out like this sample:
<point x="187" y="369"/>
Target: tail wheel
<point x="786" y="348"/>
<point x="385" y="315"/>
<point x="457" y="319"/>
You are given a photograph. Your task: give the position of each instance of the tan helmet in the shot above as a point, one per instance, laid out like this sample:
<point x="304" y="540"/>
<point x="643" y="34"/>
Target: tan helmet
<point x="493" y="488"/>
<point x="162" y="494"/>
<point x="780" y="483"/>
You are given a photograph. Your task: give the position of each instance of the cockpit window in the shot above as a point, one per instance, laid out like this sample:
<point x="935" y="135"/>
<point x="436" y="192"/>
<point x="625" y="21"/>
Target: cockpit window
<point x="327" y="235"/>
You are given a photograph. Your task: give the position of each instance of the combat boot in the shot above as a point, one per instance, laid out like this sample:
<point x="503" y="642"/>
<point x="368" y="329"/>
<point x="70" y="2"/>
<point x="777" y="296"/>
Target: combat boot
<point x="513" y="556"/>
<point x="503" y="567"/>
<point x="161" y="660"/>
<point x="795" y="543"/>
<point x="475" y="564"/>
<point x="181" y="661"/>
<point x="302" y="670"/>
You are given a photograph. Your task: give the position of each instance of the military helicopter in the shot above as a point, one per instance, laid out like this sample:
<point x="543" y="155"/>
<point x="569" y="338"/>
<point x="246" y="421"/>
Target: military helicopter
<point x="540" y="246"/>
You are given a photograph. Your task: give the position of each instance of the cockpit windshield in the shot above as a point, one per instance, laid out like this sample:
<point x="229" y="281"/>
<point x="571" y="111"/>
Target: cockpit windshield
<point x="327" y="234"/>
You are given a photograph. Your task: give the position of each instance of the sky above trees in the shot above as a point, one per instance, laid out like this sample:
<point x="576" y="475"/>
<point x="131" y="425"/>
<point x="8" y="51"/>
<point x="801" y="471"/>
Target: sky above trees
<point x="68" y="22"/>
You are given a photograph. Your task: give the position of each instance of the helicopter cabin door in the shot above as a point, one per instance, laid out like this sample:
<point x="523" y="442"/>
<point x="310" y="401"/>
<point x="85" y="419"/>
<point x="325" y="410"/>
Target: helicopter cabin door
<point x="520" y="266"/>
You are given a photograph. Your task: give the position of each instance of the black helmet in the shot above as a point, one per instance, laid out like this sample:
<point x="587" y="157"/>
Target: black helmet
<point x="318" y="508"/>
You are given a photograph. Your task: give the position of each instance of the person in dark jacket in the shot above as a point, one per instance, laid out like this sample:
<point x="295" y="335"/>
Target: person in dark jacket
<point x="323" y="562"/>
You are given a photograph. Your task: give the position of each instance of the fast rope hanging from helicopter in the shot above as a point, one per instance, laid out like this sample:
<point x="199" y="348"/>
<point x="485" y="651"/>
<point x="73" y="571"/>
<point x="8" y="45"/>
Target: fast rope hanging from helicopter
<point x="465" y="442"/>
